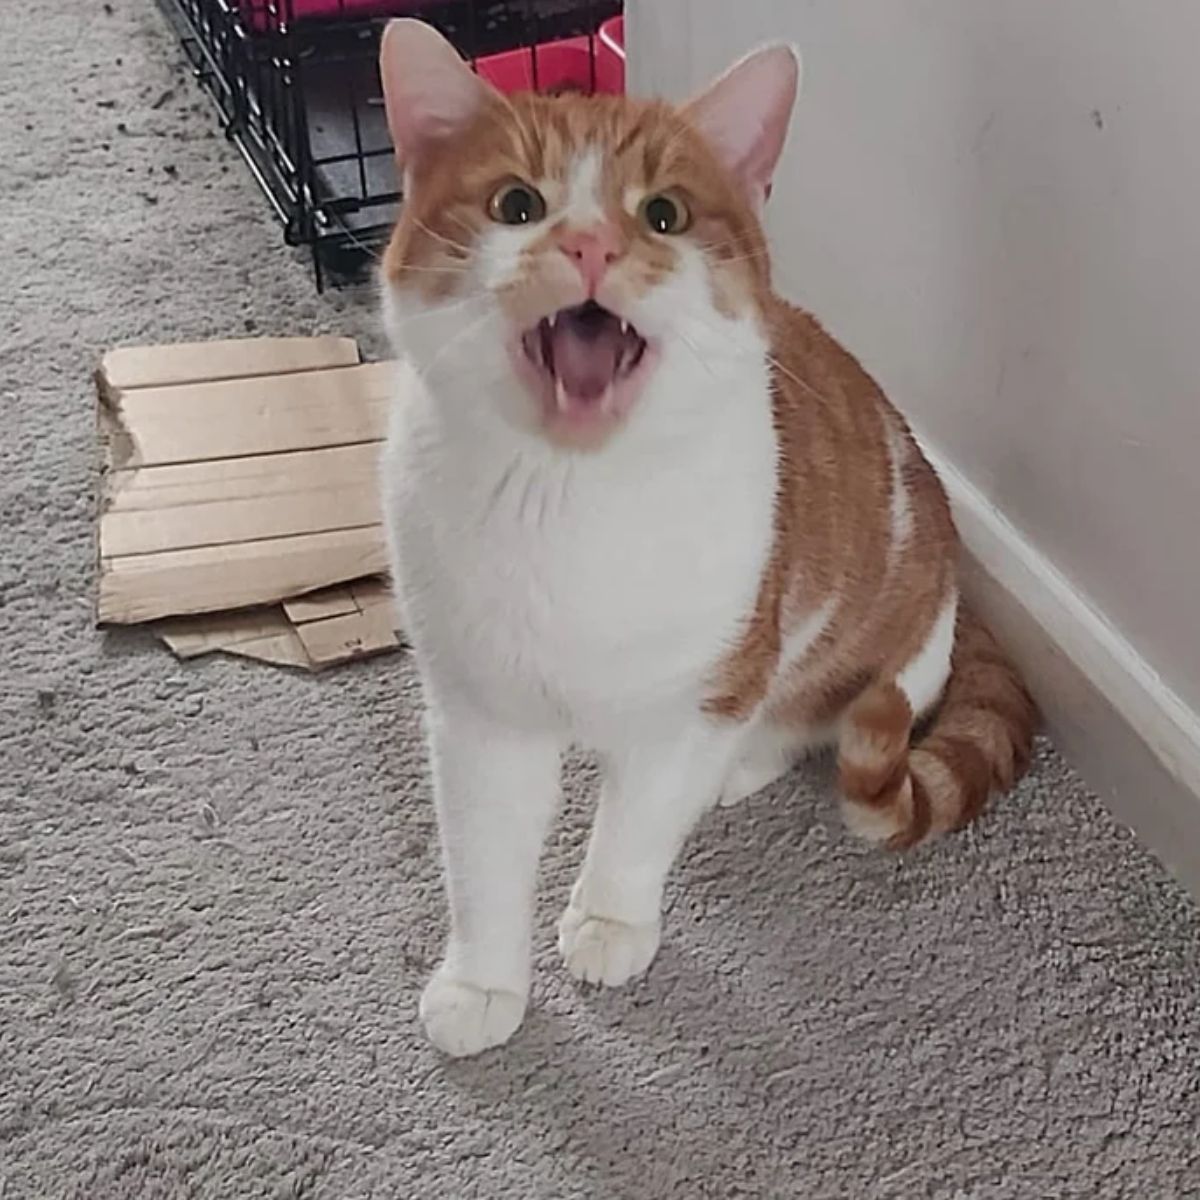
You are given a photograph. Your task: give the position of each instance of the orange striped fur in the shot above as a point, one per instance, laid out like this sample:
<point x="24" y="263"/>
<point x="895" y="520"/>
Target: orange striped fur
<point x="844" y="452"/>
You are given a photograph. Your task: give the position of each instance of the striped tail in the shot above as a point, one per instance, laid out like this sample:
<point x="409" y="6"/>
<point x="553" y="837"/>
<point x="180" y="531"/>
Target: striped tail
<point x="901" y="791"/>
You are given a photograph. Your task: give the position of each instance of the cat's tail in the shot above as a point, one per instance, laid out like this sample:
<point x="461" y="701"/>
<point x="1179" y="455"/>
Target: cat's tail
<point x="902" y="791"/>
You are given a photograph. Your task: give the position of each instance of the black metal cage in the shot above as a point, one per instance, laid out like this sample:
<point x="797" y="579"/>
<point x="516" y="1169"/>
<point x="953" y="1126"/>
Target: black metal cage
<point x="296" y="86"/>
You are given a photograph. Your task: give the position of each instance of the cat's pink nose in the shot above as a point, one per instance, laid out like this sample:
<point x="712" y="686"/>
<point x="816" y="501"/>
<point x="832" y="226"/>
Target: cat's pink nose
<point x="592" y="250"/>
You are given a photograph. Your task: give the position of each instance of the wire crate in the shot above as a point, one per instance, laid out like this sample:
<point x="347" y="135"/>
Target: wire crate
<point x="296" y="86"/>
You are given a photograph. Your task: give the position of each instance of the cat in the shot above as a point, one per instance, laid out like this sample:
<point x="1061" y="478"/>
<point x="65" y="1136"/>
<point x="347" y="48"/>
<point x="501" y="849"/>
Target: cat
<point x="639" y="504"/>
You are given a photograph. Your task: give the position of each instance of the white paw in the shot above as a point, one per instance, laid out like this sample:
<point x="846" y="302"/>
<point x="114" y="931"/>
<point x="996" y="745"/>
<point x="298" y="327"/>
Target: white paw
<point x="597" y="950"/>
<point x="461" y="1019"/>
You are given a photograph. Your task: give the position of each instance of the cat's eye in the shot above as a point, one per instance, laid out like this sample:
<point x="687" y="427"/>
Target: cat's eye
<point x="516" y="203"/>
<point x="665" y="212"/>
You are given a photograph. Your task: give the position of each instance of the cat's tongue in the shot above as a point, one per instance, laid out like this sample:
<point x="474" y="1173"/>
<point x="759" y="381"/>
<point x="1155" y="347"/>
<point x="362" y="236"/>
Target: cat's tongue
<point x="587" y="346"/>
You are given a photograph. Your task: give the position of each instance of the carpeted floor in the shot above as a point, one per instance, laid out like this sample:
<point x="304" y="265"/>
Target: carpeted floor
<point x="224" y="1008"/>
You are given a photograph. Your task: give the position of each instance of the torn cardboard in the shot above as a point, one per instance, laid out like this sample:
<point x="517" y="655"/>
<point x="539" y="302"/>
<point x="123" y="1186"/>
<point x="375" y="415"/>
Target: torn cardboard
<point x="312" y="632"/>
<point x="239" y="504"/>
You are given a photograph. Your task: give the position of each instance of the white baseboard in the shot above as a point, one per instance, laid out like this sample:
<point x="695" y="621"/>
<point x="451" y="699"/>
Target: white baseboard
<point x="1131" y="737"/>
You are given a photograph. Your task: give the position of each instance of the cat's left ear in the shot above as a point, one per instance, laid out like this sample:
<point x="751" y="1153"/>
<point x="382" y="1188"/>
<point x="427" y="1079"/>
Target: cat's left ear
<point x="745" y="113"/>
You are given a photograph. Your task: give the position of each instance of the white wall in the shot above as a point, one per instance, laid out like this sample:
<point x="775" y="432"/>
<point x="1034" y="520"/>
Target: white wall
<point x="996" y="205"/>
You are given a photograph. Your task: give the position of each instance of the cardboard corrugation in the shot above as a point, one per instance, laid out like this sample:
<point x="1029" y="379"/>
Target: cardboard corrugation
<point x="240" y="477"/>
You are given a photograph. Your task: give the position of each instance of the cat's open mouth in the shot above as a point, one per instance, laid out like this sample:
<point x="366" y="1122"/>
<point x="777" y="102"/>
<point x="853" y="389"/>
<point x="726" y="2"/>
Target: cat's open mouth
<point x="585" y="363"/>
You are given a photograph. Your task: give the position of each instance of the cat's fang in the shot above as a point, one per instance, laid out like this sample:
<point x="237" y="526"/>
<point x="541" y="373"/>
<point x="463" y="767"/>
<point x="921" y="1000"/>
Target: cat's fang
<point x="631" y="356"/>
<point x="545" y="344"/>
<point x="583" y="363"/>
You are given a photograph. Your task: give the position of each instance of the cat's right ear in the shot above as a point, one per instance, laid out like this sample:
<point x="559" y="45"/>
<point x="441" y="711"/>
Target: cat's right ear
<point x="428" y="91"/>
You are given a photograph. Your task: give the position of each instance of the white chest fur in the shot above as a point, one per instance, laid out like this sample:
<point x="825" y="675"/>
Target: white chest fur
<point x="581" y="588"/>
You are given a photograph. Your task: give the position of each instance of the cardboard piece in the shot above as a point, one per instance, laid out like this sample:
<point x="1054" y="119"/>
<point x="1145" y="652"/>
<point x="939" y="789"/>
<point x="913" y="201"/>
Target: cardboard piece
<point x="237" y="358"/>
<point x="238" y="506"/>
<point x="313" y="632"/>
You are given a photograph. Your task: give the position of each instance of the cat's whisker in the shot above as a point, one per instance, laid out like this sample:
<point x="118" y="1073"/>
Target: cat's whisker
<point x="733" y="242"/>
<point x="442" y="309"/>
<point x="363" y="248"/>
<point x="471" y="327"/>
<point x="732" y="255"/>
<point x="800" y="383"/>
<point x="734" y="246"/>
<point x="447" y="270"/>
<point x="734" y="352"/>
<point x="747" y="235"/>
<point x="450" y="242"/>
<point x="740" y="260"/>
<point x="416" y="320"/>
<point x="462" y="224"/>
<point x="695" y="351"/>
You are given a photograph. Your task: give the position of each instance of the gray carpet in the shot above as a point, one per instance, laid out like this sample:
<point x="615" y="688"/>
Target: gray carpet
<point x="219" y="885"/>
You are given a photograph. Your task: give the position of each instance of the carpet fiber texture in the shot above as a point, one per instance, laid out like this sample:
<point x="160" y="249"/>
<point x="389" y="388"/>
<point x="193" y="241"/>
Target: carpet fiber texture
<point x="219" y="886"/>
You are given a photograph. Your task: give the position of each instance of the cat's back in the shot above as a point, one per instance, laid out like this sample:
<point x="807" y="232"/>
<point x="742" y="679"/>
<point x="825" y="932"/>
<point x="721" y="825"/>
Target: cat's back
<point x="845" y="439"/>
<point x="866" y="550"/>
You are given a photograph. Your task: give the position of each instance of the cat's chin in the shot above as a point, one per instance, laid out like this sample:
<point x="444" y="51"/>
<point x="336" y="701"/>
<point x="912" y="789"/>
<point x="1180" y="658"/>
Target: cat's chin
<point x="585" y="368"/>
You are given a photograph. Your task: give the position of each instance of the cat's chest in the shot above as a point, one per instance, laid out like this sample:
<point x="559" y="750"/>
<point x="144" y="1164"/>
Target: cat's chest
<point x="577" y="588"/>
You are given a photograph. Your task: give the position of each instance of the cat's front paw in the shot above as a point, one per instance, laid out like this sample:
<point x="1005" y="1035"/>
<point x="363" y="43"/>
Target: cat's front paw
<point x="461" y="1019"/>
<point x="599" y="950"/>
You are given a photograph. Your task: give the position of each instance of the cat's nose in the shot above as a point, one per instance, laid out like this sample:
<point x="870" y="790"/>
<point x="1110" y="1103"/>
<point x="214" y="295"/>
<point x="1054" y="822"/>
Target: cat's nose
<point x="592" y="250"/>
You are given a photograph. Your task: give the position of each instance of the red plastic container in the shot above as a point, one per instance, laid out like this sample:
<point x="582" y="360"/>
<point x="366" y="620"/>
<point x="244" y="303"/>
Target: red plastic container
<point x="269" y="14"/>
<point x="559" y="65"/>
<point x="565" y="64"/>
<point x="610" y="47"/>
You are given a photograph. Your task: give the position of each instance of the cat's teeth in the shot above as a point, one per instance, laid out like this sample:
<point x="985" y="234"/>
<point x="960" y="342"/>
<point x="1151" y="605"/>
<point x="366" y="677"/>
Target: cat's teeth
<point x="553" y="320"/>
<point x="624" y="328"/>
<point x="606" y="401"/>
<point x="560" y="396"/>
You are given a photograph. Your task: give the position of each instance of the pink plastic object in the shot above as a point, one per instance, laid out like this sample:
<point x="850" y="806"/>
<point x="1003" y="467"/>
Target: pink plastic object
<point x="610" y="47"/>
<point x="270" y="14"/>
<point x="560" y="65"/>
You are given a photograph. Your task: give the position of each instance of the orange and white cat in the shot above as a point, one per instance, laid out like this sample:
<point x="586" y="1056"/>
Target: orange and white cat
<point x="639" y="504"/>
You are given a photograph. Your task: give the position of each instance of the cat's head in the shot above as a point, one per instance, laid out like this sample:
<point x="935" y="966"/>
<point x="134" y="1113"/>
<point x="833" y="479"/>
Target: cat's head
<point x="556" y="256"/>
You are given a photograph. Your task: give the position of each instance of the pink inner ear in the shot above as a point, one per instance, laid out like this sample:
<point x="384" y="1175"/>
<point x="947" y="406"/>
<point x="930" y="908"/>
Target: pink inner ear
<point x="745" y="115"/>
<point x="429" y="92"/>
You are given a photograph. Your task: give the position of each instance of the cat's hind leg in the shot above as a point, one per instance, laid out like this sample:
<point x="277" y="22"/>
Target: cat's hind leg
<point x="767" y="752"/>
